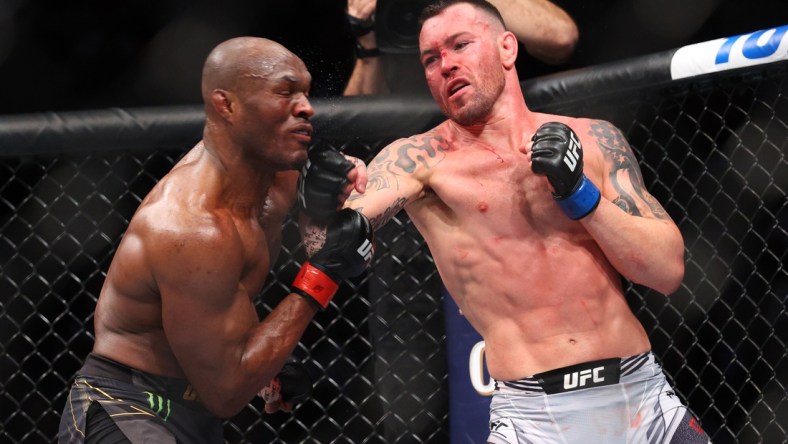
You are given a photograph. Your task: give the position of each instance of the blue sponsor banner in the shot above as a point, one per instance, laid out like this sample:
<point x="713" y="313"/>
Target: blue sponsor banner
<point x="469" y="412"/>
<point x="760" y="47"/>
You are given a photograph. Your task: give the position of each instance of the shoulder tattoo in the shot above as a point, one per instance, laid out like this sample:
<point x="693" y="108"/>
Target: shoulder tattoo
<point x="425" y="151"/>
<point x="402" y="158"/>
<point x="624" y="167"/>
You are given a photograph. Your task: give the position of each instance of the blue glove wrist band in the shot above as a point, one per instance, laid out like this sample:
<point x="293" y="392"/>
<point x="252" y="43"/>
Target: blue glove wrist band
<point x="582" y="201"/>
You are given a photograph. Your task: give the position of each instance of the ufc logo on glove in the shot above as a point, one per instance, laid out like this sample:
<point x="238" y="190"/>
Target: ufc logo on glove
<point x="572" y="155"/>
<point x="365" y="250"/>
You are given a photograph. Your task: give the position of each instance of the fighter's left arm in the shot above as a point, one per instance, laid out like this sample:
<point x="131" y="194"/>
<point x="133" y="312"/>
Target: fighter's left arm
<point x="631" y="227"/>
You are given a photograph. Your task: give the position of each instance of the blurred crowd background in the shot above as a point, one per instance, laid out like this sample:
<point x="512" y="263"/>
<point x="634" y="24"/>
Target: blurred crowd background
<point x="90" y="54"/>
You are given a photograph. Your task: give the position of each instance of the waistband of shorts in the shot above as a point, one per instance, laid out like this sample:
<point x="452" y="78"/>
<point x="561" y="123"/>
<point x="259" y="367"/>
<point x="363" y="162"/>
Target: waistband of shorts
<point x="176" y="389"/>
<point x="579" y="376"/>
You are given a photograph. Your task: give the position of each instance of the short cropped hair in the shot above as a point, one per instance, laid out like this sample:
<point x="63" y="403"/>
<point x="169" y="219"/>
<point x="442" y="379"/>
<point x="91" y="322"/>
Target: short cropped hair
<point x="439" y="6"/>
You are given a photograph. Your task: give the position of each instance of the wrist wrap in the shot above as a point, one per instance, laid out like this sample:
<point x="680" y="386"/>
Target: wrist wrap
<point x="583" y="200"/>
<point x="365" y="53"/>
<point x="314" y="283"/>
<point x="361" y="27"/>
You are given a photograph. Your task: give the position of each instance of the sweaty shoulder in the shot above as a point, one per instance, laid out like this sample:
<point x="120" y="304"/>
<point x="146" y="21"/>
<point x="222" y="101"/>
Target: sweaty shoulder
<point x="179" y="231"/>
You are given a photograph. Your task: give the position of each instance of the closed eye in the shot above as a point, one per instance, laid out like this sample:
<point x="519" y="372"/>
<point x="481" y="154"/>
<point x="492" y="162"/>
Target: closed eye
<point x="427" y="61"/>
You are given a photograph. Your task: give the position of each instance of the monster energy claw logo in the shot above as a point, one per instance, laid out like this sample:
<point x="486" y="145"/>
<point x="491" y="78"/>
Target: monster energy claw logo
<point x="157" y="404"/>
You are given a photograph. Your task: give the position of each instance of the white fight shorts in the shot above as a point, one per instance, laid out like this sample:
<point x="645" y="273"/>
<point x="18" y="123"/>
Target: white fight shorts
<point x="619" y="400"/>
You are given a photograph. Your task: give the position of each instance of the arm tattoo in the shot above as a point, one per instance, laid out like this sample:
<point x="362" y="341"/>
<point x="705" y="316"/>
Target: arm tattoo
<point x="382" y="219"/>
<point x="314" y="239"/>
<point x="624" y="165"/>
<point x="409" y="153"/>
<point x="400" y="159"/>
<point x="405" y="157"/>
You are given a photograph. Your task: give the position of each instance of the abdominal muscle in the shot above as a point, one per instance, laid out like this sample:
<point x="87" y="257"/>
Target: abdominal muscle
<point x="539" y="303"/>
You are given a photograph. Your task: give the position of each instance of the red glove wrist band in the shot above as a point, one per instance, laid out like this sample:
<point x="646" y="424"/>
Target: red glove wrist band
<point x="316" y="284"/>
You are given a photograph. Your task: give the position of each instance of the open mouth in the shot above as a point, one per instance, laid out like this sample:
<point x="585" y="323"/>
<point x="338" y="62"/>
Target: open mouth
<point x="456" y="86"/>
<point x="304" y="132"/>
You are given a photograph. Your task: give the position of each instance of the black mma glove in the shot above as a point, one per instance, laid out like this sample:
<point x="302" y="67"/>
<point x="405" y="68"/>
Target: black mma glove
<point x="321" y="182"/>
<point x="557" y="154"/>
<point x="292" y="384"/>
<point x="350" y="244"/>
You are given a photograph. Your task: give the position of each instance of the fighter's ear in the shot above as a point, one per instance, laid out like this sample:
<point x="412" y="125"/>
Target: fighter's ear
<point x="222" y="103"/>
<point x="508" y="47"/>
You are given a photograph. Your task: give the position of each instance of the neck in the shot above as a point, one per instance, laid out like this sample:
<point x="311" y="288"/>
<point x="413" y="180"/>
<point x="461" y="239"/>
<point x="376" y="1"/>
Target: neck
<point x="510" y="122"/>
<point x="243" y="180"/>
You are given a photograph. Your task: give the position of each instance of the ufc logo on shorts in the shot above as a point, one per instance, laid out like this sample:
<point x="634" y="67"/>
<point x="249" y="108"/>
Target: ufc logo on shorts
<point x="365" y="250"/>
<point x="580" y="379"/>
<point x="572" y="154"/>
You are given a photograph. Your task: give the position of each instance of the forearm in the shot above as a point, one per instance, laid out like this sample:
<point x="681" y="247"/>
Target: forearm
<point x="261" y="356"/>
<point x="273" y="340"/>
<point x="646" y="251"/>
<point x="546" y="31"/>
<point x="367" y="77"/>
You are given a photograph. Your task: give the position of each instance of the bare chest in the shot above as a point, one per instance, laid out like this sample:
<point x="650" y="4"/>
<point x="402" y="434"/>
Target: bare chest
<point x="261" y="243"/>
<point x="494" y="188"/>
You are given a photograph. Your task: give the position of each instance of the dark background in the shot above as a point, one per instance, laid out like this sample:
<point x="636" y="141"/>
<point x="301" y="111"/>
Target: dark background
<point x="59" y="56"/>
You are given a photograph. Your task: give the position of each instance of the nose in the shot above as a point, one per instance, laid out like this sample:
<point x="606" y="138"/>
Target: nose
<point x="448" y="64"/>
<point x="303" y="108"/>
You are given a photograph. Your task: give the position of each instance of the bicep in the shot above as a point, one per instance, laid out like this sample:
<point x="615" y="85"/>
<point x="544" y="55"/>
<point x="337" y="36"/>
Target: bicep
<point x="621" y="175"/>
<point x="204" y="313"/>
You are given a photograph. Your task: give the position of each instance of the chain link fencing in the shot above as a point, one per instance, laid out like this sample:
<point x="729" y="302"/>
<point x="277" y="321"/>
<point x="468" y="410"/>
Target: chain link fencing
<point x="712" y="151"/>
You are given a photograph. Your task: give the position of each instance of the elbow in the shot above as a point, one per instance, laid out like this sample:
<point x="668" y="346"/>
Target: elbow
<point x="673" y="276"/>
<point x="674" y="281"/>
<point x="225" y="408"/>
<point x="670" y="265"/>
<point x="663" y="276"/>
<point x="676" y="267"/>
<point x="222" y="405"/>
<point x="558" y="51"/>
<point x="566" y="44"/>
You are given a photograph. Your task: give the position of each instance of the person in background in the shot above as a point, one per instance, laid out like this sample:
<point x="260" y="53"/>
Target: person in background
<point x="533" y="221"/>
<point x="545" y="30"/>
<point x="178" y="342"/>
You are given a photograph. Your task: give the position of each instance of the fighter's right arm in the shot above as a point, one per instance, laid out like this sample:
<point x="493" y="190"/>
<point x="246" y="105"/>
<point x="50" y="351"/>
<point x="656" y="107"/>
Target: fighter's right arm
<point x="200" y="267"/>
<point x="397" y="176"/>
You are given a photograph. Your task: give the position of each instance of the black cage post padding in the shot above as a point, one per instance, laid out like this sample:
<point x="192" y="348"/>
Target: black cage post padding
<point x="100" y="130"/>
<point x="712" y="150"/>
<point x="362" y="119"/>
<point x="585" y="84"/>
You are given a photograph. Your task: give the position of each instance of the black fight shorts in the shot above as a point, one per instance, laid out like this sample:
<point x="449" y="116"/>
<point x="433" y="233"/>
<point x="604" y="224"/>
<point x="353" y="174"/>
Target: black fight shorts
<point x="146" y="408"/>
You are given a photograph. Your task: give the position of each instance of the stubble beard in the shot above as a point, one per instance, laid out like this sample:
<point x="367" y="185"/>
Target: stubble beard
<point x="478" y="108"/>
<point x="473" y="113"/>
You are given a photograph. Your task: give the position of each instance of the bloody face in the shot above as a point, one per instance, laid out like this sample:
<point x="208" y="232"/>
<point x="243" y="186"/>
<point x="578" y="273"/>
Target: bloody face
<point x="462" y="63"/>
